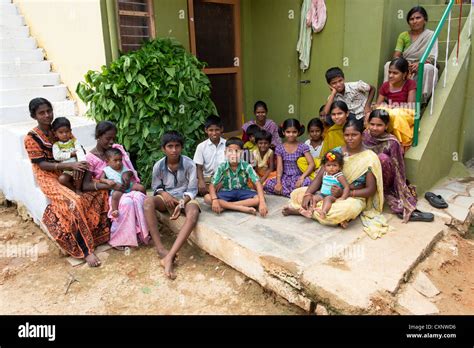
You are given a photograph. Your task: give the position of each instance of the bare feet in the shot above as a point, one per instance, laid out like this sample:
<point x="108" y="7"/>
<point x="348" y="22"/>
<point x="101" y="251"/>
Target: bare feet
<point x="162" y="252"/>
<point x="250" y="210"/>
<point x="289" y="211"/>
<point x="92" y="260"/>
<point x="320" y="212"/>
<point x="306" y="213"/>
<point x="344" y="224"/>
<point x="167" y="264"/>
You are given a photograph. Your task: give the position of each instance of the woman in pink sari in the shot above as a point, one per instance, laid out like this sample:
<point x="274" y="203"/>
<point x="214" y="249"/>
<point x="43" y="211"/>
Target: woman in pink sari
<point x="130" y="228"/>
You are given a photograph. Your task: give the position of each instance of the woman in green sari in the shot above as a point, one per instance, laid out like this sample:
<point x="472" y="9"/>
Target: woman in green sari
<point x="412" y="44"/>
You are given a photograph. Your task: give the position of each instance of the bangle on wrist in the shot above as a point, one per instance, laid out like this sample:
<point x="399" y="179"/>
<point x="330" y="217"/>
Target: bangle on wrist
<point x="308" y="194"/>
<point x="56" y="166"/>
<point x="213" y="199"/>
<point x="95" y="185"/>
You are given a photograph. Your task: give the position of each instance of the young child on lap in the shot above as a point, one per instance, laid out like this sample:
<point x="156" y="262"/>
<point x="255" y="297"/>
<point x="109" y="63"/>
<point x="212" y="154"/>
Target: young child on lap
<point x="333" y="163"/>
<point x="233" y="175"/>
<point x="118" y="173"/>
<point x="68" y="149"/>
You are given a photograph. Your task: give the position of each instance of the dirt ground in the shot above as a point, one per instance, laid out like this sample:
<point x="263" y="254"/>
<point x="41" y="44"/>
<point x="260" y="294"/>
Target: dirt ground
<point x="450" y="268"/>
<point x="133" y="282"/>
<point x="126" y="283"/>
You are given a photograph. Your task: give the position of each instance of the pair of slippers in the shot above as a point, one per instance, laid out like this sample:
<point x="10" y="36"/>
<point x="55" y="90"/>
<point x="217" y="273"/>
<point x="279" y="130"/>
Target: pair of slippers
<point x="436" y="200"/>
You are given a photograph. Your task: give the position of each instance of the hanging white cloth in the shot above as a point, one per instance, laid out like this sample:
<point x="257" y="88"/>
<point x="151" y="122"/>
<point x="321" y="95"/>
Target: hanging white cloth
<point x="313" y="18"/>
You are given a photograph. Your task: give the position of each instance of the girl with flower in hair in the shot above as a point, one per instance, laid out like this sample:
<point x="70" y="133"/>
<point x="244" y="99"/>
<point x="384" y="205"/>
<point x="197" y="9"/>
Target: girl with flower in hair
<point x="333" y="163"/>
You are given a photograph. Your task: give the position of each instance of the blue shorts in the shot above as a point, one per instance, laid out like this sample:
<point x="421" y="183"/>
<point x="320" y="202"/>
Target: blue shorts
<point x="236" y="195"/>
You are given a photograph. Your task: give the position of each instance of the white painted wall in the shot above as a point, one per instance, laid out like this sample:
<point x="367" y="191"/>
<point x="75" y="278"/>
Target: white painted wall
<point x="70" y="31"/>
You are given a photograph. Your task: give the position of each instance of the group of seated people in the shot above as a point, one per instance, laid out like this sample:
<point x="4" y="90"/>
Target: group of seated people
<point x="349" y="165"/>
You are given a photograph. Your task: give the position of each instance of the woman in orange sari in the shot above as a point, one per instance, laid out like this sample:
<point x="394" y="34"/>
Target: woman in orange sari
<point x="78" y="222"/>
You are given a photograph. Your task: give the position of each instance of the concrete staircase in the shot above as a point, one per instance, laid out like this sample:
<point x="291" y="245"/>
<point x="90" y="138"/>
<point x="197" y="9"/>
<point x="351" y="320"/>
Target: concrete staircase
<point x="435" y="12"/>
<point x="24" y="75"/>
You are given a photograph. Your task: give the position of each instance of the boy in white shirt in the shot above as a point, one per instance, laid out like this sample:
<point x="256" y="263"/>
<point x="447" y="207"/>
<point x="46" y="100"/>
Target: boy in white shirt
<point x="357" y="95"/>
<point x="210" y="153"/>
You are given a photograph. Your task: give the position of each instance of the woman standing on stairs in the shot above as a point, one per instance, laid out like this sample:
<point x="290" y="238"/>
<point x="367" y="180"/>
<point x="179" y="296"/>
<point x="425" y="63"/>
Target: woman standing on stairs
<point x="78" y="222"/>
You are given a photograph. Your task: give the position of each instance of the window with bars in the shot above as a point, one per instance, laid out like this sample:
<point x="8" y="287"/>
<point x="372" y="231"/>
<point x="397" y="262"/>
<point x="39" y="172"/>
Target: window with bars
<point x="136" y="23"/>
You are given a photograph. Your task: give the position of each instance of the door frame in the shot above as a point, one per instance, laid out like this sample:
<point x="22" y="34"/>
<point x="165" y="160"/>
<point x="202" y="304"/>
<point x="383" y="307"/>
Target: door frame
<point x="237" y="70"/>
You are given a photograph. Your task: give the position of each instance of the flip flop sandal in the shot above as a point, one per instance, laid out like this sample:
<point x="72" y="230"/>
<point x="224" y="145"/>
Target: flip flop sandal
<point x="419" y="216"/>
<point x="436" y="200"/>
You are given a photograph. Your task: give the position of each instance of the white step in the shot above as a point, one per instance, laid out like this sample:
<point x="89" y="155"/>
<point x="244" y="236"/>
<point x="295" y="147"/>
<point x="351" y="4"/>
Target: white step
<point x="28" y="43"/>
<point x="21" y="113"/>
<point x="14" y="32"/>
<point x="7" y="20"/>
<point x="5" y="1"/>
<point x="10" y="97"/>
<point x="26" y="81"/>
<point x="24" y="68"/>
<point x="8" y="9"/>
<point x="35" y="55"/>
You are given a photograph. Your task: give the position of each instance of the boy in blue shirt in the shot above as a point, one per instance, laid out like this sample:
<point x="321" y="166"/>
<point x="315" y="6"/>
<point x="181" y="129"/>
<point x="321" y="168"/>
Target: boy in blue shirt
<point x="174" y="184"/>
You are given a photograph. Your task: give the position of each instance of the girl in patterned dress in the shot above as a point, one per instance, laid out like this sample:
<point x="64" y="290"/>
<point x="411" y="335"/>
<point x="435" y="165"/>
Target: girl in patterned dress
<point x="289" y="176"/>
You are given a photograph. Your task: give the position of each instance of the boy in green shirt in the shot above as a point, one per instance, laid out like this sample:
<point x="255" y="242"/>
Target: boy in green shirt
<point x="234" y="175"/>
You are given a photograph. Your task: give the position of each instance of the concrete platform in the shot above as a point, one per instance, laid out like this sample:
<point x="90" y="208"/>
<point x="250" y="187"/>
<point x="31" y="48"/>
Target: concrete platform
<point x="308" y="263"/>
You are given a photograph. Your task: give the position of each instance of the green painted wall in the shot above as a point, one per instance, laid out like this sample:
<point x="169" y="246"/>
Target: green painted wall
<point x="327" y="51"/>
<point x="270" y="65"/>
<point x="363" y="39"/>
<point x="467" y="136"/>
<point x="171" y="20"/>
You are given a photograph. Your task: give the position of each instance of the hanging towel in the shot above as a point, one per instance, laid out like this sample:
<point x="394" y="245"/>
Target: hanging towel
<point x="313" y="18"/>
<point x="316" y="16"/>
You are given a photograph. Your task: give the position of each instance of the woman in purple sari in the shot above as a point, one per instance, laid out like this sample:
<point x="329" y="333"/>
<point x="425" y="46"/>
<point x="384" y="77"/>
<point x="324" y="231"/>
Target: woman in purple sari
<point x="260" y="110"/>
<point x="130" y="228"/>
<point x="400" y="196"/>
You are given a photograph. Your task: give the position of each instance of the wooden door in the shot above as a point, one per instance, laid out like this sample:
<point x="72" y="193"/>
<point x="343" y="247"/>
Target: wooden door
<point x="215" y="39"/>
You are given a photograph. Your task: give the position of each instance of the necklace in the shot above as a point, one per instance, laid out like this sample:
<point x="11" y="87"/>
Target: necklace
<point x="346" y="152"/>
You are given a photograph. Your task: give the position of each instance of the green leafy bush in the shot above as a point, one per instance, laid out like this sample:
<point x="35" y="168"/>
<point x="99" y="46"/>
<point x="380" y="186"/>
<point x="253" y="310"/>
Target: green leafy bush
<point x="147" y="92"/>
